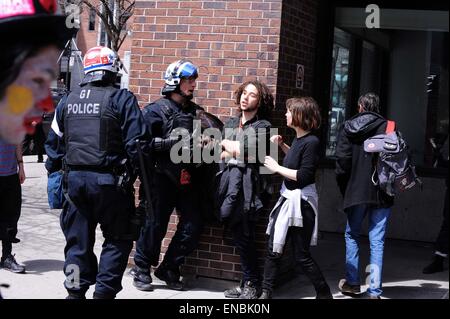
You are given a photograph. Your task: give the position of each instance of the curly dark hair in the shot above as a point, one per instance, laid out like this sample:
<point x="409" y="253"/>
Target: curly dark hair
<point x="305" y="112"/>
<point x="265" y="98"/>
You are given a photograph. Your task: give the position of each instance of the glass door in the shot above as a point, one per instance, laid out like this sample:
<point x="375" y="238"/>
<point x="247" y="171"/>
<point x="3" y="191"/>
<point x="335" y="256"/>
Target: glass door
<point x="340" y="93"/>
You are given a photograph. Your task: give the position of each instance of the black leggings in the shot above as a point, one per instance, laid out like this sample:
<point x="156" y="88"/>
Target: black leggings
<point x="301" y="238"/>
<point x="10" y="203"/>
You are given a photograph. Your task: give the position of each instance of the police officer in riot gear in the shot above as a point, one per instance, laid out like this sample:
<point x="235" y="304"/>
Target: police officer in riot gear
<point x="172" y="185"/>
<point x="93" y="139"/>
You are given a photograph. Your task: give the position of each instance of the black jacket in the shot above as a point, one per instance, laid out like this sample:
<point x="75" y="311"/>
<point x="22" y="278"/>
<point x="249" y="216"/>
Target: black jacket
<point x="354" y="166"/>
<point x="160" y="117"/>
<point x="239" y="190"/>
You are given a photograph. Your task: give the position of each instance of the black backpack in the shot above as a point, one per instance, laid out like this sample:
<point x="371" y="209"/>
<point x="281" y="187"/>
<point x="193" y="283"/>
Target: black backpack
<point x="393" y="170"/>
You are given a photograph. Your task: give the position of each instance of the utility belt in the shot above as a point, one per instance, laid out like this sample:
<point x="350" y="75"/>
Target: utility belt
<point x="124" y="178"/>
<point x="122" y="172"/>
<point x="103" y="170"/>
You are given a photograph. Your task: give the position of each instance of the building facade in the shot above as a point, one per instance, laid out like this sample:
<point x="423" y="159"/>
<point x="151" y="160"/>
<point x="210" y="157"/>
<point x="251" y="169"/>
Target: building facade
<point x="333" y="51"/>
<point x="91" y="33"/>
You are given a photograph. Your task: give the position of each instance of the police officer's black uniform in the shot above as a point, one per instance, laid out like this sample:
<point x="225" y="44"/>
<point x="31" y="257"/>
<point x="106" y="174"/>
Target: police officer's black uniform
<point x="94" y="129"/>
<point x="173" y="186"/>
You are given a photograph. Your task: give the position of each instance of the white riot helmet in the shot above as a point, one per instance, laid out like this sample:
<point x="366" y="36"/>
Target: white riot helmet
<point x="175" y="72"/>
<point x="101" y="59"/>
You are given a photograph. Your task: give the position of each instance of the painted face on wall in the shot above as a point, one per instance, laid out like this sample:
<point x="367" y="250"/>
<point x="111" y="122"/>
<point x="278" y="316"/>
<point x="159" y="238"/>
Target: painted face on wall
<point x="249" y="99"/>
<point x="28" y="96"/>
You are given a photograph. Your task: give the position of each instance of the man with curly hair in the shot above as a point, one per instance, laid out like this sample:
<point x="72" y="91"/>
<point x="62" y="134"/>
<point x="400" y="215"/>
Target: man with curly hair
<point x="245" y="139"/>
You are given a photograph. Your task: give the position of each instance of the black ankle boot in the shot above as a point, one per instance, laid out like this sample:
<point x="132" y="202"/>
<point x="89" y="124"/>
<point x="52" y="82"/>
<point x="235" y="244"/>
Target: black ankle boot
<point x="170" y="276"/>
<point x="251" y="290"/>
<point x="10" y="263"/>
<point x="76" y="295"/>
<point x="142" y="279"/>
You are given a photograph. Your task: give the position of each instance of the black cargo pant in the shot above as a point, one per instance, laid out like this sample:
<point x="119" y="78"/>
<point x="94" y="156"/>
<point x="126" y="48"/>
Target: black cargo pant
<point x="96" y="200"/>
<point x="166" y="197"/>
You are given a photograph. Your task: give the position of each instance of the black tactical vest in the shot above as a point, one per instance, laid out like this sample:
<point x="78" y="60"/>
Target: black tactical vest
<point x="176" y="119"/>
<point x="91" y="128"/>
<point x="173" y="117"/>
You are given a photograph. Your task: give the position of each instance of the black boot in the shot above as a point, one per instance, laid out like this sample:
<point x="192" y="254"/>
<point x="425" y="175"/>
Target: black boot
<point x="170" y="276"/>
<point x="76" y="295"/>
<point x="251" y="291"/>
<point x="142" y="279"/>
<point x="10" y="263"/>
<point x="436" y="265"/>
<point x="234" y="292"/>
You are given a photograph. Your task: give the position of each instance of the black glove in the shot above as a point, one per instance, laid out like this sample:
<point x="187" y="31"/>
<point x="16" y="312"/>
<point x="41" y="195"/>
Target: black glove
<point x="164" y="144"/>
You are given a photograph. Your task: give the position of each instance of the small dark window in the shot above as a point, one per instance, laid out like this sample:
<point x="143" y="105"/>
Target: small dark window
<point x="92" y="15"/>
<point x="103" y="35"/>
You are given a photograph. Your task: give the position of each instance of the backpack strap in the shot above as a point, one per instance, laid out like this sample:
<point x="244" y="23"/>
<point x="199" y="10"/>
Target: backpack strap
<point x="390" y="127"/>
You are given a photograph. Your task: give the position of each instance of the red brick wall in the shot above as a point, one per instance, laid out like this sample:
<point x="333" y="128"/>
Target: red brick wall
<point x="297" y="46"/>
<point x="231" y="41"/>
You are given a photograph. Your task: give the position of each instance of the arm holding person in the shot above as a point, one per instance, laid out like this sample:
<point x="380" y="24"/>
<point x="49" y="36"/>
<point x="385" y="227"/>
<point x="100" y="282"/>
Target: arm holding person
<point x="273" y="165"/>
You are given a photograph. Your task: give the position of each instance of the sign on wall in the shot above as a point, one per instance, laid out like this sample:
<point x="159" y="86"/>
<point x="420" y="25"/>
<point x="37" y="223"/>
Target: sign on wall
<point x="300" y="76"/>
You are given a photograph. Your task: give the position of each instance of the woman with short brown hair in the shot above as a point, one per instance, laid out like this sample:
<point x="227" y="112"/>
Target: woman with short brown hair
<point x="295" y="214"/>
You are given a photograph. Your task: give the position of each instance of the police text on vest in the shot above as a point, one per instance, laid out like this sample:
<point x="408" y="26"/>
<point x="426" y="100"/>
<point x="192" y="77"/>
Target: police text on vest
<point x="83" y="108"/>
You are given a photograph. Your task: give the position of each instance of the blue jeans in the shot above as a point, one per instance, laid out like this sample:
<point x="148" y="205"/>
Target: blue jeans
<point x="378" y="218"/>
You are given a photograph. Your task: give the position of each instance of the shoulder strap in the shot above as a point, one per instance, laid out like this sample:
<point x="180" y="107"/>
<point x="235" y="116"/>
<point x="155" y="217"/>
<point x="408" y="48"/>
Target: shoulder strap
<point x="390" y="127"/>
<point x="108" y="91"/>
